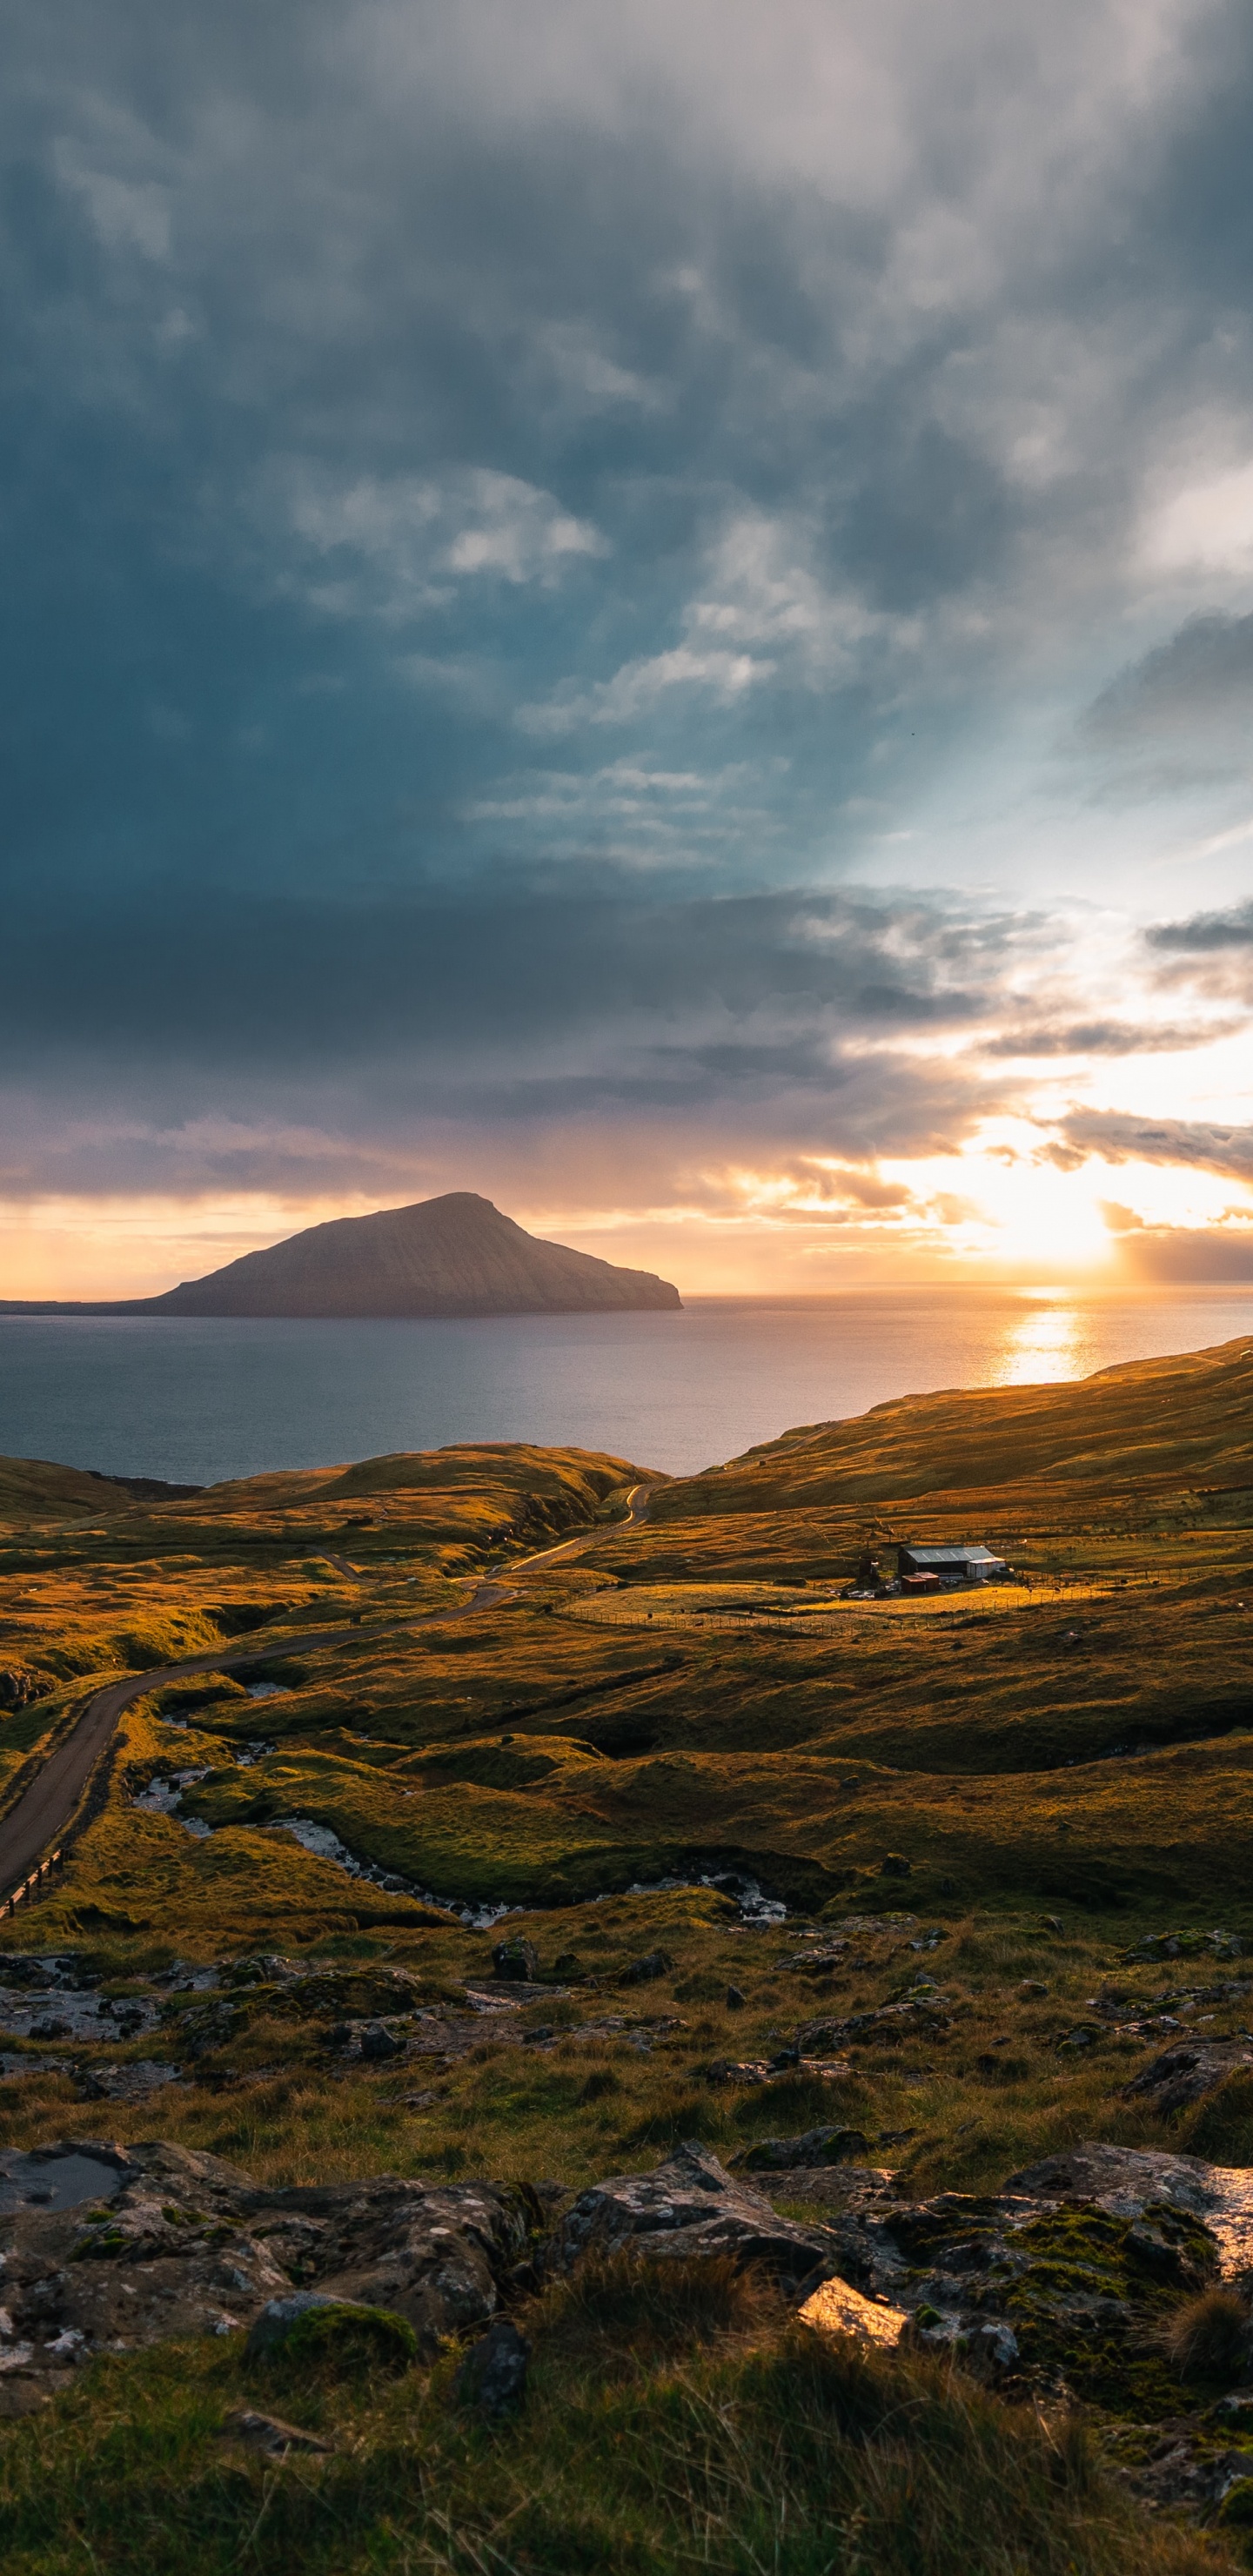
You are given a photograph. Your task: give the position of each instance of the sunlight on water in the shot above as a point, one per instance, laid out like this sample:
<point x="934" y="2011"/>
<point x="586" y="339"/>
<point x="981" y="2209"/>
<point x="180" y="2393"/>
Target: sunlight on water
<point x="1051" y="1341"/>
<point x="196" y="1398"/>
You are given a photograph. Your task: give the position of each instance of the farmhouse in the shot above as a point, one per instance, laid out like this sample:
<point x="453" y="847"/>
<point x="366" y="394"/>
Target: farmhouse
<point x="951" y="1564"/>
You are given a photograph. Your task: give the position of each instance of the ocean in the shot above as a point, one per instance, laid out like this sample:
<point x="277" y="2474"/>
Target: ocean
<point x="196" y="1400"/>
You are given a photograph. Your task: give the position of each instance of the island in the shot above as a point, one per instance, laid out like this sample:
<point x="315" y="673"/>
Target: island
<point x="455" y="1255"/>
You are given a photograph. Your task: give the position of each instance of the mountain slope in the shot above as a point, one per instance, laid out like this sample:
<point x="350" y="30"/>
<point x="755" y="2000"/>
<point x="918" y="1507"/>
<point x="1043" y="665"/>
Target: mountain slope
<point x="455" y="1255"/>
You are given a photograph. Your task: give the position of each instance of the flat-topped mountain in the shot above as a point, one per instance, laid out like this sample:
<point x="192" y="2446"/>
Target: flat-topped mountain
<point x="455" y="1255"/>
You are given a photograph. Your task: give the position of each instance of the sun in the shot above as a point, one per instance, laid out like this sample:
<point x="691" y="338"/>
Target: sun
<point x="1038" y="1217"/>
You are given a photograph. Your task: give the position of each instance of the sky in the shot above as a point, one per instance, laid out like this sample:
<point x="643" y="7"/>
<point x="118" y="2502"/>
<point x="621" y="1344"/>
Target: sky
<point x="644" y="610"/>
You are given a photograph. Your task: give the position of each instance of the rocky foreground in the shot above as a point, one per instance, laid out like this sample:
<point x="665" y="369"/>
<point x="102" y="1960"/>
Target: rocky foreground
<point x="1082" y="2278"/>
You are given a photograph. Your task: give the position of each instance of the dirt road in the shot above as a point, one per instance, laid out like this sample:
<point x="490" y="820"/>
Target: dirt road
<point x="42" y="1813"/>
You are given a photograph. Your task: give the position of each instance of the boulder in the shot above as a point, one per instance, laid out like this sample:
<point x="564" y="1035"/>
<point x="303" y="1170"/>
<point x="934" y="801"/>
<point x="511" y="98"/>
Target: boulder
<point x="493" y="2374"/>
<point x="811" y="2147"/>
<point x="1186" y="2073"/>
<point x="516" y="1960"/>
<point x="316" y="2329"/>
<point x="131" y="2083"/>
<point x="1124" y="2181"/>
<point x="112" y="2248"/>
<point x="642" y="1972"/>
<point x="689" y="2207"/>
<point x="835" y="2308"/>
<point x="279" y="2317"/>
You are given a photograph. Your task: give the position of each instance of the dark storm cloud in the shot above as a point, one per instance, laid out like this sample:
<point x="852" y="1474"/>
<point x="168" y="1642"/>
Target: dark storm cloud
<point x="292" y="1026"/>
<point x="752" y="988"/>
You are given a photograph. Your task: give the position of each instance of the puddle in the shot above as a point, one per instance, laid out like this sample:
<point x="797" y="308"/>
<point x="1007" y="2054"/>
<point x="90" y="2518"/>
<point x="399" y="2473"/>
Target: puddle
<point x="267" y="1690"/>
<point x="55" y="2181"/>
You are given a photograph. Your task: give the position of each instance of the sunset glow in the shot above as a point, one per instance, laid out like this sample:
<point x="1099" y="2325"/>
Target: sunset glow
<point x="741" y="756"/>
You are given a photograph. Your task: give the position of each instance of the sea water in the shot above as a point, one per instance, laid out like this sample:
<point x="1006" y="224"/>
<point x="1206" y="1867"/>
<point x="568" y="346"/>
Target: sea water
<point x="197" y="1399"/>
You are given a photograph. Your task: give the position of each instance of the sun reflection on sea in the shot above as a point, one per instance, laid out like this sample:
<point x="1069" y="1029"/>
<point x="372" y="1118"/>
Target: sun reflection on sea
<point x="1048" y="1342"/>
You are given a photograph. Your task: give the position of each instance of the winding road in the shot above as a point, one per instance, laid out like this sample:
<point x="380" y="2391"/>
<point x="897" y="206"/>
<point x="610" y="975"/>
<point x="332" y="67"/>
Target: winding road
<point x="34" y="1823"/>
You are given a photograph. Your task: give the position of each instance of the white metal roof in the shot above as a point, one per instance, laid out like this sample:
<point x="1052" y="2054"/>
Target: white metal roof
<point x="979" y="1555"/>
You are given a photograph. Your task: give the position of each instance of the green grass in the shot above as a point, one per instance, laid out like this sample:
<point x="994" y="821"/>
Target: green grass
<point x="529" y="1753"/>
<point x="683" y="2430"/>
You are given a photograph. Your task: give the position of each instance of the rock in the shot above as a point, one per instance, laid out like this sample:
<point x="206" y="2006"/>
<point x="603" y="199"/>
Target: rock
<point x="811" y="2147"/>
<point x="1124" y="2181"/>
<point x="895" y="1865"/>
<point x="642" y="1972"/>
<point x="775" y="2070"/>
<point x="270" y="2434"/>
<point x="375" y="2041"/>
<point x="378" y="2042"/>
<point x="123" y="2083"/>
<point x="1187" y="2072"/>
<point x="127" y="2246"/>
<point x="836" y="2308"/>
<point x="736" y="1999"/>
<point x="918" y="2015"/>
<point x="1065" y="2277"/>
<point x="688" y="2208"/>
<point x="18" y="1688"/>
<point x="493" y="2374"/>
<point x="1184" y="1944"/>
<point x="517" y="1960"/>
<point x="51" y="2026"/>
<point x="279" y="2317"/>
<point x="312" y="2327"/>
<point x="993" y="2348"/>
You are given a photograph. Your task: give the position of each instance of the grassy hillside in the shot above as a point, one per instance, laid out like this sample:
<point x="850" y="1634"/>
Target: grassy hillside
<point x="994" y="1799"/>
<point x="1149" y="1430"/>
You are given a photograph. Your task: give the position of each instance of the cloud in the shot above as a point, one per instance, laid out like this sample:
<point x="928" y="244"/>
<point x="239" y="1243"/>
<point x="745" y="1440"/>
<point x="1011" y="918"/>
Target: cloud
<point x="1199" y="683"/>
<point x="1105" y="1037"/>
<point x="126" y="216"/>
<point x="1197" y="1143"/>
<point x="223" y="1041"/>
<point x="1189" y="1256"/>
<point x="638" y="686"/>
<point x="766" y="410"/>
<point x="1204" y="933"/>
<point x="406" y="541"/>
<point x="1208" y="524"/>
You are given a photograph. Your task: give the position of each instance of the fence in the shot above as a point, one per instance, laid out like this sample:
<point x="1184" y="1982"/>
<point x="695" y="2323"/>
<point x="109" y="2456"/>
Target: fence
<point x="30" y="1886"/>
